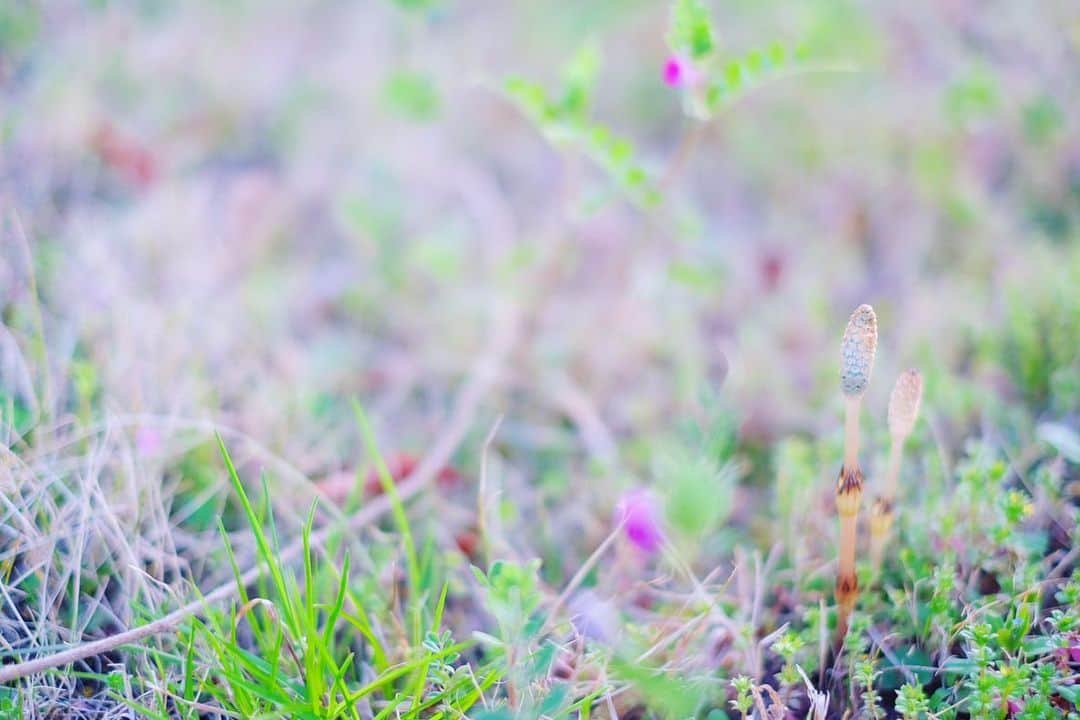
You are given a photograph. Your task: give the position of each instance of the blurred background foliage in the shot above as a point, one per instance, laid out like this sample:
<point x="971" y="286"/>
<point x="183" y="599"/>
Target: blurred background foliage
<point x="267" y="208"/>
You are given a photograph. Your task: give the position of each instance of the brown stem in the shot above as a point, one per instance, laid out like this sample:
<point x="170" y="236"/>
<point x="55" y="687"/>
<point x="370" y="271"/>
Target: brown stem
<point x="847" y="545"/>
<point x="892" y="474"/>
<point x="881" y="520"/>
<point x="847" y="590"/>
<point x="882" y="516"/>
<point x="848" y="498"/>
<point x="852" y="405"/>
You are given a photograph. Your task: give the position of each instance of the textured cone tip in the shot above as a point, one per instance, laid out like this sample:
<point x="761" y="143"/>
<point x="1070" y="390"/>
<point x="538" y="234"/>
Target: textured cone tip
<point x="857" y="350"/>
<point x="904" y="403"/>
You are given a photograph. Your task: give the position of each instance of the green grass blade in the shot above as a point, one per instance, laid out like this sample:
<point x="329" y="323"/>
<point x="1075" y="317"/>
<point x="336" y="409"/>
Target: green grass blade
<point x="396" y="507"/>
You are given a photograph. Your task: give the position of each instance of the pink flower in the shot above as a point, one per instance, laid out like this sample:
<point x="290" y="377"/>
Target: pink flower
<point x="674" y="71"/>
<point x="680" y="72"/>
<point x="638" y="512"/>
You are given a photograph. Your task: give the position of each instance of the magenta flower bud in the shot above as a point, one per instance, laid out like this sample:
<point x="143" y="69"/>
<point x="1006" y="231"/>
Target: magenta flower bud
<point x="639" y="514"/>
<point x="674" y="71"/>
<point x="680" y="72"/>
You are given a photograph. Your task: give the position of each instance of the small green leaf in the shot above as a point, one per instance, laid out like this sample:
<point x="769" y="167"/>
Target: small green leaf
<point x="960" y="666"/>
<point x="1038" y="645"/>
<point x="691" y="29"/>
<point x="539" y="664"/>
<point x="754" y="62"/>
<point x="893" y="675"/>
<point x="554" y="702"/>
<point x="671" y="695"/>
<point x="973" y="97"/>
<point x="733" y="76"/>
<point x="528" y="95"/>
<point x="777" y="55"/>
<point x="635" y="177"/>
<point x="579" y="78"/>
<point x="412" y="96"/>
<point x="620" y="151"/>
<point x="1070" y="693"/>
<point x="414" y="4"/>
<point x="494" y="715"/>
<point x="691" y="276"/>
<point x="1042" y="119"/>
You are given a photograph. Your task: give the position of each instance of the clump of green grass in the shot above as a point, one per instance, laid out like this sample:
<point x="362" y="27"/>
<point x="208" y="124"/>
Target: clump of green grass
<point x="310" y="645"/>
